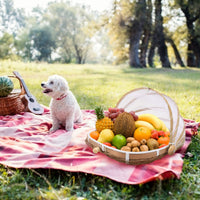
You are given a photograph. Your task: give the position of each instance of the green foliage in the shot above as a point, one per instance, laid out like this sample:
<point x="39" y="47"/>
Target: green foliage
<point x="95" y="85"/>
<point x="6" y="44"/>
<point x="11" y="19"/>
<point x="43" y="42"/>
<point x="69" y="23"/>
<point x="61" y="30"/>
<point x="119" y="20"/>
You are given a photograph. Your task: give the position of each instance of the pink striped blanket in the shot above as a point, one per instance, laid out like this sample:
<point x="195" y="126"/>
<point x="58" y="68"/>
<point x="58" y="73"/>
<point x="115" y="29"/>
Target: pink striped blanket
<point x="25" y="143"/>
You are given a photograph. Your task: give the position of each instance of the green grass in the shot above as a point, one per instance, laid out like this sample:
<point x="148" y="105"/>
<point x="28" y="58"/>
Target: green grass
<point x="104" y="85"/>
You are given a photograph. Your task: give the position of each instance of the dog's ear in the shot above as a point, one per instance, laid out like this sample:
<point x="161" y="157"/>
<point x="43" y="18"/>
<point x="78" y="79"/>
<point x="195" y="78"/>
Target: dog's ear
<point x="63" y="86"/>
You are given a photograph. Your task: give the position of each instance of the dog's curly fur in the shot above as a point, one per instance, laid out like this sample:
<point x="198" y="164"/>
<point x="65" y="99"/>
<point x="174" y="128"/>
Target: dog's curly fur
<point x="64" y="107"/>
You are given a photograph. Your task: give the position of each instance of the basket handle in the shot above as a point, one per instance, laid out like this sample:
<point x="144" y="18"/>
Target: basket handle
<point x="20" y="83"/>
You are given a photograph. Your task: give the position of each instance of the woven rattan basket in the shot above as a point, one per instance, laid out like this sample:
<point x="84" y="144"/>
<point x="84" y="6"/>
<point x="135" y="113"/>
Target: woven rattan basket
<point x="13" y="103"/>
<point x="146" y="100"/>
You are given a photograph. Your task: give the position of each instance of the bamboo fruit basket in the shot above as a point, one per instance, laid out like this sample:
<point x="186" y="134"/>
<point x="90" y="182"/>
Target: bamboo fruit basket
<point x="13" y="103"/>
<point x="147" y="100"/>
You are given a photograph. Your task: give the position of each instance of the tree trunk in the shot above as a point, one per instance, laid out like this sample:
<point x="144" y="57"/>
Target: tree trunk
<point x="143" y="48"/>
<point x="162" y="48"/>
<point x="151" y="55"/>
<point x="146" y="34"/>
<point x="198" y="60"/>
<point x="193" y="52"/>
<point x="135" y="35"/>
<point x="176" y="52"/>
<point x="190" y="56"/>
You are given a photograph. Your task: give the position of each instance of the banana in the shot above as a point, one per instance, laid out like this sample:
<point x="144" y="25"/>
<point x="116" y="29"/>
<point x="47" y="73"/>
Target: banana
<point x="152" y="119"/>
<point x="164" y="128"/>
<point x="140" y="123"/>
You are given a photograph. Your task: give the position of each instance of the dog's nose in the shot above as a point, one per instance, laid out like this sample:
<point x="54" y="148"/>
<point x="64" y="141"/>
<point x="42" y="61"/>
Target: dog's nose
<point x="42" y="84"/>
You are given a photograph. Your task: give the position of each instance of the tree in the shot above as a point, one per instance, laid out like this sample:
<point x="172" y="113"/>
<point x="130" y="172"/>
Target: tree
<point x="170" y="40"/>
<point x="126" y="29"/>
<point x="147" y="31"/>
<point x="135" y="30"/>
<point x="11" y="19"/>
<point x="158" y="38"/>
<point x="24" y="46"/>
<point x="6" y="46"/>
<point x="43" y="42"/>
<point x="117" y="23"/>
<point x="191" y="10"/>
<point x="133" y="20"/>
<point x="69" y="23"/>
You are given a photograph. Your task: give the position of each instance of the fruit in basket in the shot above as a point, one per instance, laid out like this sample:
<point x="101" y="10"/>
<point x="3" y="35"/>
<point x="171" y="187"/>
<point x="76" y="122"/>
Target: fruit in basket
<point x="157" y="134"/>
<point x="130" y="139"/>
<point x="152" y="119"/>
<point x="106" y="135"/>
<point x="163" y="140"/>
<point x="119" y="141"/>
<point x="114" y="112"/>
<point x="94" y="135"/>
<point x="124" y="124"/>
<point x="167" y="134"/>
<point x="126" y="148"/>
<point x="142" y="133"/>
<point x="102" y="121"/>
<point x="6" y="86"/>
<point x="164" y="128"/>
<point x="152" y="144"/>
<point x="140" y="123"/>
<point x="135" y="149"/>
<point x="135" y="143"/>
<point x="144" y="147"/>
<point x="107" y="144"/>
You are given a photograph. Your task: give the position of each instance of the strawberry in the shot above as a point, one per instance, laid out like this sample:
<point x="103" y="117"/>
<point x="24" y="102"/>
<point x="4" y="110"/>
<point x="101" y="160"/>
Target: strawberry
<point x="154" y="134"/>
<point x="161" y="133"/>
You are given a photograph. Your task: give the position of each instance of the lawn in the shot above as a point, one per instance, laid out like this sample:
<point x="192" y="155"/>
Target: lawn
<point x="104" y="85"/>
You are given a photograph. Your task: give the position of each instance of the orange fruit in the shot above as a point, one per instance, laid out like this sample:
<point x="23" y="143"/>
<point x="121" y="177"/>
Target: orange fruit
<point x="142" y="133"/>
<point x="94" y="135"/>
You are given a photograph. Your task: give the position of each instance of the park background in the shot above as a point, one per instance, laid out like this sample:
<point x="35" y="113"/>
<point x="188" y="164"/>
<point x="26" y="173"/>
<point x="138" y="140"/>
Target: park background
<point x="104" y="54"/>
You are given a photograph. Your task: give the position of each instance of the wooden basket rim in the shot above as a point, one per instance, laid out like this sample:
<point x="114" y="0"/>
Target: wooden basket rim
<point x="125" y="152"/>
<point x="132" y="158"/>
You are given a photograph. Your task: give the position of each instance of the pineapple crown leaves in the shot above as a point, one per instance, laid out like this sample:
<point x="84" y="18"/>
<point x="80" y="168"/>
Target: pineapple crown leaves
<point x="99" y="112"/>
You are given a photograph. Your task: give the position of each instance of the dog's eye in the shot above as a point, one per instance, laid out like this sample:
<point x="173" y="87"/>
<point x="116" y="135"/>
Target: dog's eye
<point x="51" y="83"/>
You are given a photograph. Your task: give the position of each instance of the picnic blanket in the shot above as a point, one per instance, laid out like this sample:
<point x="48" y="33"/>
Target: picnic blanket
<point x="26" y="143"/>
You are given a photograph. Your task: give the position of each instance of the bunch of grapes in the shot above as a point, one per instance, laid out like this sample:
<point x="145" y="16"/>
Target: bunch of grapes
<point x="114" y="112"/>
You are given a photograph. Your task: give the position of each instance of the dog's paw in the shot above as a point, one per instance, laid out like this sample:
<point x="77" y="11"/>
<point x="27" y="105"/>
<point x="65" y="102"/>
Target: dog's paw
<point x="69" y="128"/>
<point x="52" y="130"/>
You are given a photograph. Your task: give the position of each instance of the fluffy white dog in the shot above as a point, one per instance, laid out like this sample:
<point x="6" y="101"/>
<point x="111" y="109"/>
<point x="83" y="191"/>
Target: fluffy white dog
<point x="64" y="107"/>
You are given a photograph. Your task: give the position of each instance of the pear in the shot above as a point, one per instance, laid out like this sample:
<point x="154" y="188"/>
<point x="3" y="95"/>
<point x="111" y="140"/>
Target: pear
<point x="105" y="135"/>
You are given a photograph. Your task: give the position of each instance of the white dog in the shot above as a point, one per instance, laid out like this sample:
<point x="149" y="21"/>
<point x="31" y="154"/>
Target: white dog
<point x="64" y="107"/>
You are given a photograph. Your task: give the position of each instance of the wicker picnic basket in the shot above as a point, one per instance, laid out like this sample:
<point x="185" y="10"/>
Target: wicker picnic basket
<point x="146" y="100"/>
<point x="13" y="103"/>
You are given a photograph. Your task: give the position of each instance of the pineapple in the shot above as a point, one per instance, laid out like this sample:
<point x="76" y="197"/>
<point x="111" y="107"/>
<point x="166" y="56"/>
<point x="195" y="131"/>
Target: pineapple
<point x="102" y="121"/>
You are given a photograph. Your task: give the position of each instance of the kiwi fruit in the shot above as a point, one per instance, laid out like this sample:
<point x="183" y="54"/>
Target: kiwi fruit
<point x="152" y="144"/>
